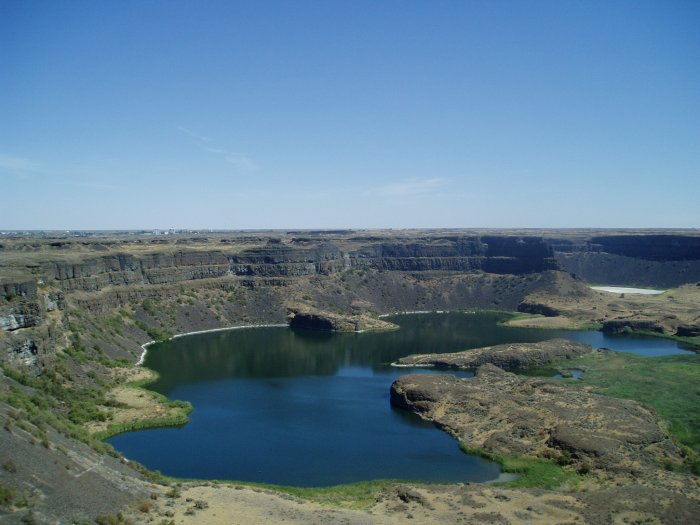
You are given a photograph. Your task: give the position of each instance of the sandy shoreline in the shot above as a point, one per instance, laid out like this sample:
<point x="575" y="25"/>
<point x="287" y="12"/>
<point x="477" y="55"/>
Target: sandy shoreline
<point x="625" y="289"/>
<point x="412" y="312"/>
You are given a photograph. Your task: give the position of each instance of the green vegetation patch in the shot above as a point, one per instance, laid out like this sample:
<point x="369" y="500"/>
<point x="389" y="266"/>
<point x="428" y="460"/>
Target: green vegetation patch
<point x="10" y="497"/>
<point x="149" y="305"/>
<point x="82" y="403"/>
<point x="156" y="333"/>
<point x="36" y="409"/>
<point x="669" y="384"/>
<point x="533" y="472"/>
<point x="178" y="417"/>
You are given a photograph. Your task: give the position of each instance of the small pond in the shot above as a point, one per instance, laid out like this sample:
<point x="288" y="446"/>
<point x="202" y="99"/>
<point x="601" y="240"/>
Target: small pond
<point x="305" y="408"/>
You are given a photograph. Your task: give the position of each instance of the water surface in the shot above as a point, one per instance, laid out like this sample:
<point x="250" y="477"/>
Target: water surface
<point x="305" y="408"/>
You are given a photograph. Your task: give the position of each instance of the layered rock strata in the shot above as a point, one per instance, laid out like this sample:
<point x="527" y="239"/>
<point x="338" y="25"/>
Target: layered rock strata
<point x="303" y="257"/>
<point x="657" y="260"/>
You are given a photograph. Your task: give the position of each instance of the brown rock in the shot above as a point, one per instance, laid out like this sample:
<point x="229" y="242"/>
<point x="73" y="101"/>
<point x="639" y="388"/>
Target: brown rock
<point x="512" y="356"/>
<point x="507" y="414"/>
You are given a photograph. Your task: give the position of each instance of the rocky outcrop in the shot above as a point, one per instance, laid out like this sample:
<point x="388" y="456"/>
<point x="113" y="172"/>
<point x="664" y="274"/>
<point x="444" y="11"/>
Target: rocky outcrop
<point x="22" y="314"/>
<point x="688" y="330"/>
<point x="24" y="354"/>
<point x="621" y="326"/>
<point x="506" y="414"/>
<point x="12" y="322"/>
<point x="515" y="356"/>
<point x="320" y="322"/>
<point x="25" y="288"/>
<point x="337" y="323"/>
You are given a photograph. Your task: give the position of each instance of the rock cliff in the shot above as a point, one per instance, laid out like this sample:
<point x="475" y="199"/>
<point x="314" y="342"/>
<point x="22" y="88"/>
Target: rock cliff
<point x="295" y="257"/>
<point x="643" y="260"/>
<point x="327" y="321"/>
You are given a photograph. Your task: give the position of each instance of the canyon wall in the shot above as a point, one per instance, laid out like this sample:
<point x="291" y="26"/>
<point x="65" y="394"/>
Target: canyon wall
<point x="154" y="286"/>
<point x="654" y="260"/>
<point x="304" y="257"/>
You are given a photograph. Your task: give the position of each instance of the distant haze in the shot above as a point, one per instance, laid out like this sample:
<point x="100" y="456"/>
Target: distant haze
<point x="355" y="114"/>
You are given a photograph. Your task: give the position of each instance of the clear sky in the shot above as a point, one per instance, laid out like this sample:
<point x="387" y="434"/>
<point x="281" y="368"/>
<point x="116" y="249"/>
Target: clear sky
<point x="349" y="114"/>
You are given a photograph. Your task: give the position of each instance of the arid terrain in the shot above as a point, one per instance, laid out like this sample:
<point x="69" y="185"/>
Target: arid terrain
<point x="76" y="310"/>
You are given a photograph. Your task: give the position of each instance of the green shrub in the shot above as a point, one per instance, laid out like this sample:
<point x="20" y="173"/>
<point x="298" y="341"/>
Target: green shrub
<point x="10" y="466"/>
<point x="9" y="497"/>
<point x="116" y="324"/>
<point x="157" y="334"/>
<point x="534" y="472"/>
<point x="149" y="306"/>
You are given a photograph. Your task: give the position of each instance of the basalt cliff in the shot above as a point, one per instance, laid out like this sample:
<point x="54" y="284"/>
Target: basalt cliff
<point x="149" y="287"/>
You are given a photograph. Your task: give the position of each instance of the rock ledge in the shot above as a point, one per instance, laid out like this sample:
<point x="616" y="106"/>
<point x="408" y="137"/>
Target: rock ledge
<point x="515" y="356"/>
<point x="336" y="323"/>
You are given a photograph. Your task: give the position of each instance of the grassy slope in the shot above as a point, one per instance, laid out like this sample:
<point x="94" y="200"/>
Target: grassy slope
<point x="178" y="412"/>
<point x="532" y="472"/>
<point x="670" y="385"/>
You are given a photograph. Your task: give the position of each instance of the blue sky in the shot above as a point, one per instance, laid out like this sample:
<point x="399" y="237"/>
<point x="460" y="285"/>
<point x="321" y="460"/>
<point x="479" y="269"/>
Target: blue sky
<point x="357" y="114"/>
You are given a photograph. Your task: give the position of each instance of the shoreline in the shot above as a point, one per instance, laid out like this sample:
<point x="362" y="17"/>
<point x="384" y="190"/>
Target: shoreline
<point x="145" y="346"/>
<point x="627" y="290"/>
<point x="422" y="312"/>
<point x="502" y="477"/>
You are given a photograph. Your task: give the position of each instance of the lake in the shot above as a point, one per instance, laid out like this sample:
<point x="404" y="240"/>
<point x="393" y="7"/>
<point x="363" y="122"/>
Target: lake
<point x="306" y="408"/>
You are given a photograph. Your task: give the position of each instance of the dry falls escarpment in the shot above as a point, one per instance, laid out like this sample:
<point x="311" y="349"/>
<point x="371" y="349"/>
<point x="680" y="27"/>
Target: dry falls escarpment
<point x="74" y="312"/>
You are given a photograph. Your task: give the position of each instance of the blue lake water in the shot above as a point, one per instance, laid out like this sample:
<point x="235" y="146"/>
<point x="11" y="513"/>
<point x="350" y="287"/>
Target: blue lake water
<point x="305" y="408"/>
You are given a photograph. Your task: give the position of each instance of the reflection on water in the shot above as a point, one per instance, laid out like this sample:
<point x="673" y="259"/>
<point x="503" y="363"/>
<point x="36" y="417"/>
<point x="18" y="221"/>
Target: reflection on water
<point x="306" y="408"/>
